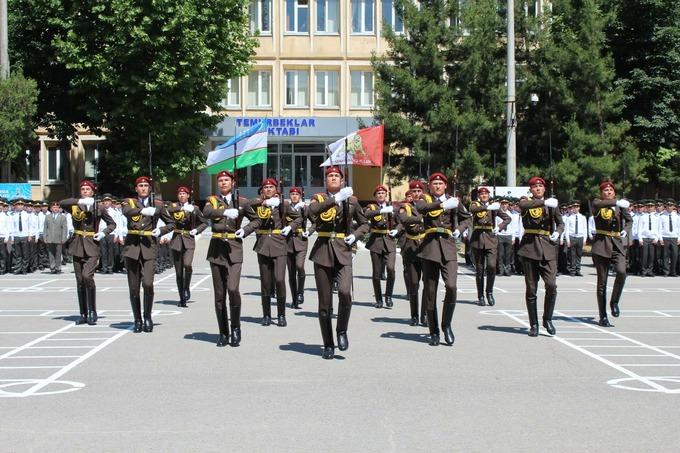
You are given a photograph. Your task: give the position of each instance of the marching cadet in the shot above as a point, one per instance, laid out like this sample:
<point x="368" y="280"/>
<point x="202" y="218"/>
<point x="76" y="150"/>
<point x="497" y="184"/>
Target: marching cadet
<point x="189" y="223"/>
<point x="442" y="225"/>
<point x="612" y="223"/>
<point x="84" y="246"/>
<point x="575" y="233"/>
<point x="269" y="216"/>
<point x="668" y="232"/>
<point x="381" y="244"/>
<point x="647" y="237"/>
<point x="297" y="242"/>
<point x="484" y="243"/>
<point x="543" y="227"/>
<point x="55" y="234"/>
<point x="333" y="213"/>
<point x="22" y="235"/>
<point x="225" y="254"/>
<point x="140" y="249"/>
<point x="106" y="244"/>
<point x="412" y="225"/>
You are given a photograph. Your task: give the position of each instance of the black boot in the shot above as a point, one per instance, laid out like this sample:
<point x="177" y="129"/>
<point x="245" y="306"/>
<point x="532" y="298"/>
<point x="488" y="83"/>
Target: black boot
<point x="433" y="324"/>
<point x="148" y="308"/>
<point x="616" y="296"/>
<point x="136" y="313"/>
<point x="548" y="309"/>
<point x="91" y="305"/>
<point x="490" y="299"/>
<point x="327" y="334"/>
<point x="480" y="290"/>
<point x="301" y="289"/>
<point x="281" y="309"/>
<point x="187" y="284"/>
<point x="180" y="288"/>
<point x="341" y="329"/>
<point x="389" y="288"/>
<point x="82" y="304"/>
<point x="377" y="292"/>
<point x="532" y="310"/>
<point x="223" y="325"/>
<point x="235" y="312"/>
<point x="447" y="316"/>
<point x="413" y="303"/>
<point x="266" y="310"/>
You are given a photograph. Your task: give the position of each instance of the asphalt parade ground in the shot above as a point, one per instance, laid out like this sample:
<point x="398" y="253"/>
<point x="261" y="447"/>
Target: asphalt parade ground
<point x="68" y="388"/>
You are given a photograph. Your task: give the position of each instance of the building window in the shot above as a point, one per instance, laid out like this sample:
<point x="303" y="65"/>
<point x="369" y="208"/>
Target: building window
<point x="362" y="16"/>
<point x="259" y="89"/>
<point x="91" y="155"/>
<point x="297" y="87"/>
<point x="327" y="16"/>
<point x="54" y="164"/>
<point x="33" y="164"/>
<point x="362" y="89"/>
<point x="233" y="98"/>
<point x="260" y="17"/>
<point x="390" y="16"/>
<point x="327" y="89"/>
<point x="531" y="8"/>
<point x="297" y="16"/>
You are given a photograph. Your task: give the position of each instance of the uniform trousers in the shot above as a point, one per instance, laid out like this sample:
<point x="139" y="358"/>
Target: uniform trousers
<point x="226" y="281"/>
<point x="670" y="256"/>
<point x="296" y="272"/>
<point x="449" y="273"/>
<point x="377" y="261"/>
<point x="484" y="259"/>
<point x="84" y="267"/>
<point x="324" y="283"/>
<point x="54" y="254"/>
<point x="504" y="255"/>
<point x="4" y="253"/>
<point x="20" y="254"/>
<point x="602" y="264"/>
<point x="547" y="270"/>
<point x="106" y="252"/>
<point x="273" y="269"/>
<point x="575" y="253"/>
<point x="647" y="267"/>
<point x="140" y="271"/>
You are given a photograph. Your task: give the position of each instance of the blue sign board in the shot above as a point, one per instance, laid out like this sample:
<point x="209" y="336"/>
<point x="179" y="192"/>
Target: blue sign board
<point x="12" y="191"/>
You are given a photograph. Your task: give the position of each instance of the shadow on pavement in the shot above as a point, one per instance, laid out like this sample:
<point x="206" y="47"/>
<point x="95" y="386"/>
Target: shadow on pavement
<point x="506" y="329"/>
<point x="203" y="336"/>
<point x="392" y="320"/>
<point x="417" y="337"/>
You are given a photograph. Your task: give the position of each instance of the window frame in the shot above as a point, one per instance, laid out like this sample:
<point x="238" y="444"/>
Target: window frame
<point x="325" y="11"/>
<point x="260" y="14"/>
<point x="363" y="7"/>
<point x="326" y="92"/>
<point x="293" y="27"/>
<point x="363" y="93"/>
<point x="296" y="73"/>
<point x="259" y="74"/>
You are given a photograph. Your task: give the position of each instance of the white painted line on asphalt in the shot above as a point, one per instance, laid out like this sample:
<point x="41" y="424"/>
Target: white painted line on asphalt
<point x="28" y="288"/>
<point x="44" y="356"/>
<point x="28" y="367"/>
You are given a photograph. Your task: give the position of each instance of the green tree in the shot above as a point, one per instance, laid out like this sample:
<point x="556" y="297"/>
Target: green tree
<point x="144" y="68"/>
<point x="18" y="98"/>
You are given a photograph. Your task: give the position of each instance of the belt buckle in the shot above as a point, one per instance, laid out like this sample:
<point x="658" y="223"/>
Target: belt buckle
<point x="441" y="230"/>
<point x="333" y="234"/>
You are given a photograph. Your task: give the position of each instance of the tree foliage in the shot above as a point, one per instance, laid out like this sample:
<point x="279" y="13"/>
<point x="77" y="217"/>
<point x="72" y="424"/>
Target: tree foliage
<point x="18" y="98"/>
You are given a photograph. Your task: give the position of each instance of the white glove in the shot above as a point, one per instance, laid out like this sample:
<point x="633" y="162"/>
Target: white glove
<point x="495" y="206"/>
<point x="149" y="211"/>
<point x="193" y="232"/>
<point x="156" y="231"/>
<point x="495" y="230"/>
<point x="393" y="233"/>
<point x="624" y="234"/>
<point x="188" y="208"/>
<point x="272" y="202"/>
<point x="343" y="194"/>
<point x="551" y="203"/>
<point x="305" y="234"/>
<point x="299" y="205"/>
<point x="240" y="233"/>
<point x="349" y="240"/>
<point x="387" y="210"/>
<point x="231" y="213"/>
<point x="465" y="234"/>
<point x="89" y="201"/>
<point x="99" y="236"/>
<point x="285" y="230"/>
<point x="554" y="236"/>
<point x="456" y="234"/>
<point x="450" y="203"/>
<point x="623" y="204"/>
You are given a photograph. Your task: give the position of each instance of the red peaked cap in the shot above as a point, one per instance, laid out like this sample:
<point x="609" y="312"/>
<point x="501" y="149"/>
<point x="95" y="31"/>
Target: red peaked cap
<point x="295" y="190"/>
<point x="416" y="185"/>
<point x="269" y="181"/>
<point x="482" y="190"/>
<point x="89" y="184"/>
<point x="142" y="179"/>
<point x="183" y="189"/>
<point x="334" y="169"/>
<point x="606" y="184"/>
<point x="225" y="173"/>
<point x="437" y="177"/>
<point x="379" y="188"/>
<point x="536" y="180"/>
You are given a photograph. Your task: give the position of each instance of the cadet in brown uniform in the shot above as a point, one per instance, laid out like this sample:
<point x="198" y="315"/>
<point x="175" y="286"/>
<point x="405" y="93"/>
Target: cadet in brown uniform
<point x="189" y="222"/>
<point x="298" y="243"/>
<point x="269" y="215"/>
<point x="543" y="227"/>
<point x="412" y="226"/>
<point x="439" y="254"/>
<point x="332" y="213"/>
<point x="141" y="247"/>
<point x="225" y="254"/>
<point x="381" y="244"/>
<point x="612" y="223"/>
<point x="84" y="246"/>
<point x="484" y="243"/>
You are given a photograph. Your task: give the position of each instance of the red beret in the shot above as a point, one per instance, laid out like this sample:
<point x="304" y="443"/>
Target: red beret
<point x="226" y="173"/>
<point x="295" y="190"/>
<point x="334" y="169"/>
<point x="536" y="180"/>
<point x="408" y="192"/>
<point x="142" y="179"/>
<point x="437" y="177"/>
<point x="88" y="184"/>
<point x="379" y="188"/>
<point x="416" y="185"/>
<point x="269" y="182"/>
<point x="482" y="190"/>
<point x="606" y="184"/>
<point x="183" y="189"/>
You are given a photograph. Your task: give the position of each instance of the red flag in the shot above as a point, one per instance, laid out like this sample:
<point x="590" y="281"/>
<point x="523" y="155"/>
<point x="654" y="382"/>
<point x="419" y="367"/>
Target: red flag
<point x="365" y="148"/>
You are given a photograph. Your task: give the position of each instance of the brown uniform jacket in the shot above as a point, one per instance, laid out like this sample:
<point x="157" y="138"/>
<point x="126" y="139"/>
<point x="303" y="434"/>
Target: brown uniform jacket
<point x="268" y="222"/>
<point x="539" y="222"/>
<point x="412" y="230"/>
<point x="83" y="221"/>
<point x="610" y="220"/>
<point x="185" y="222"/>
<point x="331" y="226"/>
<point x="224" y="250"/>
<point x="438" y="244"/>
<point x="483" y="223"/>
<point x="296" y="241"/>
<point x="143" y="245"/>
<point x="380" y="225"/>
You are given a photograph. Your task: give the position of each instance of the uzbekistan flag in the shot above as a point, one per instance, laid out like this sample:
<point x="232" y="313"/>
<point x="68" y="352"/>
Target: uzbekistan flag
<point x="363" y="147"/>
<point x="249" y="148"/>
